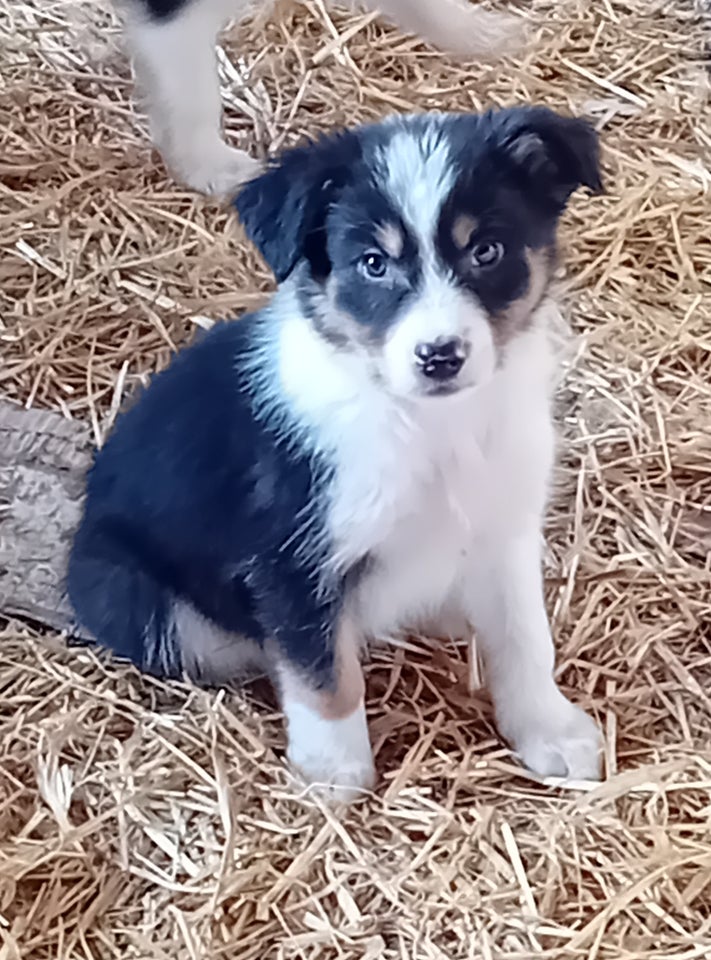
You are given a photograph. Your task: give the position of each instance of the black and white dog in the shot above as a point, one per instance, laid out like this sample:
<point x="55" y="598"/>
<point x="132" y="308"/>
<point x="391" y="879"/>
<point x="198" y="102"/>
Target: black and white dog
<point x="172" y="44"/>
<point x="368" y="453"/>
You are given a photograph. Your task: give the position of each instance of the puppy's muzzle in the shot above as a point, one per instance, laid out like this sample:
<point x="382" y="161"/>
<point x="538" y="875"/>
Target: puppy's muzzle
<point x="442" y="359"/>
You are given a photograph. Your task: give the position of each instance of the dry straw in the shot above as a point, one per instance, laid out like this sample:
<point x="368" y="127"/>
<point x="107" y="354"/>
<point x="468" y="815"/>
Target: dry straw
<point x="144" y="821"/>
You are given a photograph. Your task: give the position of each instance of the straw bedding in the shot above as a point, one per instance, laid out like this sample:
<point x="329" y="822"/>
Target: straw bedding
<point x="150" y="821"/>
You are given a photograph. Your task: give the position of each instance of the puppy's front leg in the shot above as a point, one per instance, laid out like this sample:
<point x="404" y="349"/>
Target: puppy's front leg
<point x="551" y="735"/>
<point x="324" y="707"/>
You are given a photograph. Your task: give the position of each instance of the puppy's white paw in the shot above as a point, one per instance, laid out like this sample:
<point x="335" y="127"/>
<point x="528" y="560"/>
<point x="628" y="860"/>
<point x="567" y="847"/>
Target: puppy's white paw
<point x="213" y="168"/>
<point x="459" y="27"/>
<point x="334" y="757"/>
<point x="349" y="783"/>
<point x="559" y="740"/>
<point x="491" y="34"/>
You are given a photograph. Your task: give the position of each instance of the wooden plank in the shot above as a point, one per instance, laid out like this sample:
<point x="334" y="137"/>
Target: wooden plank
<point x="43" y="462"/>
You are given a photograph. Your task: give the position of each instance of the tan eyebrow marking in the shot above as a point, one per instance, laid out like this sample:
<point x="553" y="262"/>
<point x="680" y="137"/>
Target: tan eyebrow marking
<point x="390" y="237"/>
<point x="517" y="316"/>
<point x="463" y="228"/>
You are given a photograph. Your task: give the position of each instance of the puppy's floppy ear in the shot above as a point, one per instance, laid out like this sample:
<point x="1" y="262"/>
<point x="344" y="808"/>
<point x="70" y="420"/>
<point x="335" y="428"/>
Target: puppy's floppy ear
<point x="284" y="210"/>
<point x="555" y="154"/>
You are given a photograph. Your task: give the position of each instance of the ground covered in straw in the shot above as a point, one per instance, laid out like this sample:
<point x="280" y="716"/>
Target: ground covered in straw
<point x="146" y="821"/>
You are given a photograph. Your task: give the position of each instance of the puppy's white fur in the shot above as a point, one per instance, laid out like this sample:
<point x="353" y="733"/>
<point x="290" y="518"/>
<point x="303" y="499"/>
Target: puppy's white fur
<point x="334" y="755"/>
<point x="176" y="70"/>
<point x="448" y="494"/>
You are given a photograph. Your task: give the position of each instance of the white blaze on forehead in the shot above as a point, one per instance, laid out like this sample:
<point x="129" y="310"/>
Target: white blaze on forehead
<point x="417" y="173"/>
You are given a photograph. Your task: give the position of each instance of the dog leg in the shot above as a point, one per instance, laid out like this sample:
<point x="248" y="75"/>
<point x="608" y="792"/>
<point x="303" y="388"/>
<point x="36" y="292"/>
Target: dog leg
<point x="327" y="728"/>
<point x="455" y="26"/>
<point x="551" y="735"/>
<point x="175" y="65"/>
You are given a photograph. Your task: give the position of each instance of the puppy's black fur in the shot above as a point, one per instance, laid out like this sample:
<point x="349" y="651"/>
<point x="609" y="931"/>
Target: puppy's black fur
<point x="195" y="497"/>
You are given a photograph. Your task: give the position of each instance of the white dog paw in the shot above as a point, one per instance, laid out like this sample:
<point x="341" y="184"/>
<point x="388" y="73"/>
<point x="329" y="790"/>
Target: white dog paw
<point x="493" y="34"/>
<point x="465" y="29"/>
<point x="334" y="757"/>
<point x="349" y="783"/>
<point x="215" y="169"/>
<point x="561" y="741"/>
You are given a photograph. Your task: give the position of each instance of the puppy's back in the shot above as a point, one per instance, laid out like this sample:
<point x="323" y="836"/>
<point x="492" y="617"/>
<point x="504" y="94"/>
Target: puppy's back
<point x="181" y="438"/>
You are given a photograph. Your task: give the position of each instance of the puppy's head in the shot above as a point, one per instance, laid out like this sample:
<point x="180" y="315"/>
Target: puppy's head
<point x="423" y="243"/>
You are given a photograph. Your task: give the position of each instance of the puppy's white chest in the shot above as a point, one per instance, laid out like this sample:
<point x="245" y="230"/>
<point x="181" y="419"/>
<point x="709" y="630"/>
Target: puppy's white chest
<point x="413" y="503"/>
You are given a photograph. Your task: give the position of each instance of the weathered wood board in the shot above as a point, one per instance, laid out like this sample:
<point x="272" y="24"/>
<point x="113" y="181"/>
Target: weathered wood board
<point x="43" y="461"/>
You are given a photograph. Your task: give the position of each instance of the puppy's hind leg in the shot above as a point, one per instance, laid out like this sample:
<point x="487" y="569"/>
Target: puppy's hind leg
<point x="176" y="68"/>
<point x="455" y="26"/>
<point x="121" y="604"/>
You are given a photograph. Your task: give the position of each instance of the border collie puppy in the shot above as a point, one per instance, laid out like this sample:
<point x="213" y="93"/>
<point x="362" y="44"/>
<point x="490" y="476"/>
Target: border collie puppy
<point x="172" y="43"/>
<point x="368" y="453"/>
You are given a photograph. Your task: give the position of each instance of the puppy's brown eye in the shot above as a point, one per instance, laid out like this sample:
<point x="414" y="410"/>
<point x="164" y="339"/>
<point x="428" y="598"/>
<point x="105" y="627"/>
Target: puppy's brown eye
<point x="374" y="265"/>
<point x="487" y="254"/>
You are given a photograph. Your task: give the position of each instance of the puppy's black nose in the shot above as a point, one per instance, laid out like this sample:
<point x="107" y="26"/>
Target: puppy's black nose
<point x="442" y="359"/>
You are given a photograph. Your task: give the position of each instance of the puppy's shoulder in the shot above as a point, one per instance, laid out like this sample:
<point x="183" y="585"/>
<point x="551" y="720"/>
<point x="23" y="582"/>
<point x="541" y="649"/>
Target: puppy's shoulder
<point x="197" y="411"/>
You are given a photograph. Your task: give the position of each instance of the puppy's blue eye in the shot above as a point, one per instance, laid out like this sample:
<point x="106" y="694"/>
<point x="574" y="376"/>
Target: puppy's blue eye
<point x="374" y="265"/>
<point x="487" y="254"/>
